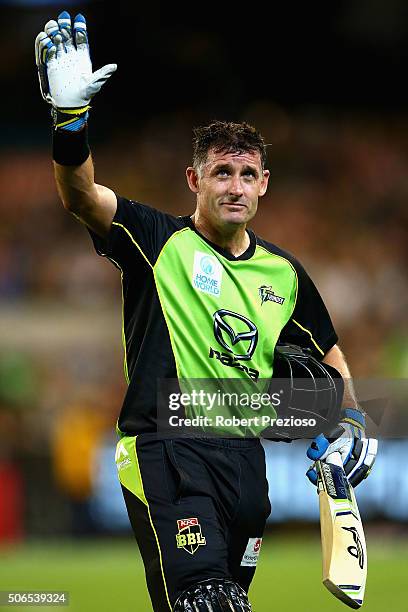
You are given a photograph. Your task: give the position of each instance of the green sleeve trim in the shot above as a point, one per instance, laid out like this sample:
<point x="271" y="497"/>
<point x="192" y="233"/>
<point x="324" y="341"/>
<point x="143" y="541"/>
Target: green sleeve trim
<point x="125" y="365"/>
<point x="311" y="336"/>
<point x="133" y="240"/>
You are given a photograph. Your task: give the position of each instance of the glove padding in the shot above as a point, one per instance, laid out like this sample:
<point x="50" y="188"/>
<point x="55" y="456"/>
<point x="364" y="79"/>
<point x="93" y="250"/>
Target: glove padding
<point x="65" y="69"/>
<point x="357" y="452"/>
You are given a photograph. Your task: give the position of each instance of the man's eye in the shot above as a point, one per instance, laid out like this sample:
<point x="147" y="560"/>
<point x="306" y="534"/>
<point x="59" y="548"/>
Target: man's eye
<point x="222" y="173"/>
<point x="250" y="173"/>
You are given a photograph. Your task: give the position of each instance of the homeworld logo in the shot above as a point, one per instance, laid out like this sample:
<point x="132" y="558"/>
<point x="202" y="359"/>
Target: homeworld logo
<point x="267" y="295"/>
<point x="207" y="274"/>
<point x="239" y="345"/>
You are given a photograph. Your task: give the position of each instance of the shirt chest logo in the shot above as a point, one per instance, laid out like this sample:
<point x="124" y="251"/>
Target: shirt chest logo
<point x="268" y="295"/>
<point x="207" y="274"/>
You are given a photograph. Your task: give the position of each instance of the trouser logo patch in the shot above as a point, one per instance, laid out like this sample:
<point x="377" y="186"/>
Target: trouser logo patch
<point x="251" y="554"/>
<point x="189" y="535"/>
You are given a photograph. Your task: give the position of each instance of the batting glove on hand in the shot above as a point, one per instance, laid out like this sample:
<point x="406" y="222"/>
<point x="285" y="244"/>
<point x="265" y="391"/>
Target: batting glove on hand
<point x="65" y="71"/>
<point x="357" y="452"/>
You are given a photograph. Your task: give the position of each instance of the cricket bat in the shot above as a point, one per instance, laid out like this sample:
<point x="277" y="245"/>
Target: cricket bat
<point x="344" y="553"/>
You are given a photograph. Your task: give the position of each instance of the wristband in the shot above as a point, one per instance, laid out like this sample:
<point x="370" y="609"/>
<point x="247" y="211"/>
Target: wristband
<point x="70" y="148"/>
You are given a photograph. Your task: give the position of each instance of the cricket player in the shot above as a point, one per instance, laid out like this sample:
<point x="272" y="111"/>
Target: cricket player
<point x="203" y="298"/>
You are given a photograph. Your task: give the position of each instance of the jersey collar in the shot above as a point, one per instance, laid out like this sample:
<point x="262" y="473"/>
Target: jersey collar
<point x="245" y="255"/>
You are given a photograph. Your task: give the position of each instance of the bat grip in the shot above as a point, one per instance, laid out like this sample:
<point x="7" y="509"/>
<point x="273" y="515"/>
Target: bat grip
<point x="334" y="459"/>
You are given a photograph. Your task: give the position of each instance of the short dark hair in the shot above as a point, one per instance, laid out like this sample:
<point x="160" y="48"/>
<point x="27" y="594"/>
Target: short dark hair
<point x="226" y="136"/>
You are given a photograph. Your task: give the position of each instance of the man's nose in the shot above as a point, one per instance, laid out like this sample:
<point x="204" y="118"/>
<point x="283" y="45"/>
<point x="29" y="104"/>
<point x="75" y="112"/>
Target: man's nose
<point x="235" y="187"/>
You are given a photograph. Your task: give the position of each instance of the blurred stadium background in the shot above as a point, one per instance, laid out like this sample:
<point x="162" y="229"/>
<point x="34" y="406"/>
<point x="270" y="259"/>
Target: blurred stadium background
<point x="325" y="85"/>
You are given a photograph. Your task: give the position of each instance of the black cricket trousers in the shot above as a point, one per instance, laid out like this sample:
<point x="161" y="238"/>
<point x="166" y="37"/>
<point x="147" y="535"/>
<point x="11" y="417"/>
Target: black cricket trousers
<point x="198" y="508"/>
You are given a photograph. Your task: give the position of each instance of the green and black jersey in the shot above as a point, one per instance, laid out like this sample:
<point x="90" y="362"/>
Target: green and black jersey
<point x="191" y="310"/>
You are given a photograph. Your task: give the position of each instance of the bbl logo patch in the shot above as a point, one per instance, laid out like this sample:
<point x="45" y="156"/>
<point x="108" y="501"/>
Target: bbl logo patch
<point x="189" y="535"/>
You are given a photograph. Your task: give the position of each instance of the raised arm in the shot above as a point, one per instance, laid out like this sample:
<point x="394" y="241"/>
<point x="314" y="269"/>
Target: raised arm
<point x="68" y="84"/>
<point x="92" y="204"/>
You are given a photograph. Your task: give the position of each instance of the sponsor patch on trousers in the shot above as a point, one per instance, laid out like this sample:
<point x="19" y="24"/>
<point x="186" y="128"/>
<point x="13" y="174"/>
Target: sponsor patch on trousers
<point x="251" y="554"/>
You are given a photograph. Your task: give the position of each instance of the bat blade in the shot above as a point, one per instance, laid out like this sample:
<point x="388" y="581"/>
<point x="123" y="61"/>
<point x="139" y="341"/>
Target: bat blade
<point x="344" y="553"/>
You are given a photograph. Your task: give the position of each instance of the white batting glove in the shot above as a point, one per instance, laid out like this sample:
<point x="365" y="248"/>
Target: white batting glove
<point x="65" y="70"/>
<point x="357" y="452"/>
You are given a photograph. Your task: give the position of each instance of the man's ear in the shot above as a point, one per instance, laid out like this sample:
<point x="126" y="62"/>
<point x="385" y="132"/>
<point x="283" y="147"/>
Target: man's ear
<point x="192" y="179"/>
<point x="264" y="183"/>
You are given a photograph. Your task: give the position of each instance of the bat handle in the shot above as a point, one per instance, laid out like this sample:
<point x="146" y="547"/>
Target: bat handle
<point x="334" y="459"/>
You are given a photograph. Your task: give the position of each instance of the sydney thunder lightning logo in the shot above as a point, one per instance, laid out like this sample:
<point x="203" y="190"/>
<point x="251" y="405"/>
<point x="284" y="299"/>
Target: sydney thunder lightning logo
<point x="267" y="295"/>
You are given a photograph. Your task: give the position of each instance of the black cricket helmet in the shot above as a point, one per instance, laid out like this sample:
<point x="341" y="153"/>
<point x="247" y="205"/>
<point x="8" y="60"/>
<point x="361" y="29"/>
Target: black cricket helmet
<point x="309" y="390"/>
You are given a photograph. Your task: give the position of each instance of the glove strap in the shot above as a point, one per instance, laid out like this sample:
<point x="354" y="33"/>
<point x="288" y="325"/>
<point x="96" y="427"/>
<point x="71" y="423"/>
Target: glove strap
<point x="70" y="119"/>
<point x="353" y="417"/>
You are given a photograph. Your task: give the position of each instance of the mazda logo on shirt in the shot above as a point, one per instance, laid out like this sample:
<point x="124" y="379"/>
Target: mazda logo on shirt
<point x="226" y="324"/>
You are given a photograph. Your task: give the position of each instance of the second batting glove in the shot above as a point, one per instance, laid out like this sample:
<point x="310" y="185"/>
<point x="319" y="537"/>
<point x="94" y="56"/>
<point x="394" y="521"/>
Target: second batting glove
<point x="357" y="452"/>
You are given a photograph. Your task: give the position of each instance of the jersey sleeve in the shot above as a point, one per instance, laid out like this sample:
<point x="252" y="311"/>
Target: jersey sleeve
<point x="310" y="325"/>
<point x="136" y="237"/>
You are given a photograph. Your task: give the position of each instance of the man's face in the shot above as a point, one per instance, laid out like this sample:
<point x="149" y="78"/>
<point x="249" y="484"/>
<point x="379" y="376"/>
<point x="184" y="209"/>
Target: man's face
<point x="228" y="187"/>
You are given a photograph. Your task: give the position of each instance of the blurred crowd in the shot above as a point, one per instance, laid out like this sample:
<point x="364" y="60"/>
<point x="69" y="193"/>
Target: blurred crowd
<point x="337" y="201"/>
